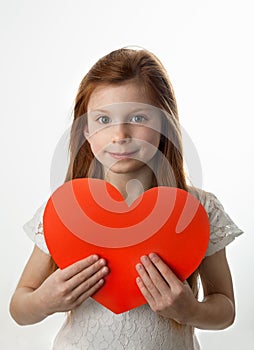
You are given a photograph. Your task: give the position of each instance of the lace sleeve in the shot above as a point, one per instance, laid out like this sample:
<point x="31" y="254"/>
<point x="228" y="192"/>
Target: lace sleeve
<point x="222" y="229"/>
<point x="34" y="229"/>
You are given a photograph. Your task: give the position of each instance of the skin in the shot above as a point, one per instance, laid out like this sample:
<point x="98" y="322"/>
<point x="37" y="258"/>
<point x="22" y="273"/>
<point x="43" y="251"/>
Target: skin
<point x="42" y="292"/>
<point x="126" y="123"/>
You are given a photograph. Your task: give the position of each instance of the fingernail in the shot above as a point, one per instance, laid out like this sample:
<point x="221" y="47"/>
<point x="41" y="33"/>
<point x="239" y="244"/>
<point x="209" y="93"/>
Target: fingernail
<point x="139" y="267"/>
<point x="102" y="262"/>
<point x="105" y="269"/>
<point x="144" y="259"/>
<point x="101" y="281"/>
<point x="153" y="256"/>
<point x="138" y="279"/>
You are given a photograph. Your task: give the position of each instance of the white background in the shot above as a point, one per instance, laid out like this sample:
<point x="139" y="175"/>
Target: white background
<point x="46" y="49"/>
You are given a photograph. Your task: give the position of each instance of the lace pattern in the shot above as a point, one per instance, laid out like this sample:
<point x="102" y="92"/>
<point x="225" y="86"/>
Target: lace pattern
<point x="222" y="228"/>
<point x="34" y="229"/>
<point x="93" y="327"/>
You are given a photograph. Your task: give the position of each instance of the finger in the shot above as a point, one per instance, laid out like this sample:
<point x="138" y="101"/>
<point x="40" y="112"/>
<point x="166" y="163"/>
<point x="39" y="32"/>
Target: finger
<point x="147" y="281"/>
<point x="88" y="284"/>
<point x="79" y="266"/>
<point x="147" y="295"/>
<point x="161" y="286"/>
<point x="89" y="293"/>
<point x="169" y="276"/>
<point x="85" y="274"/>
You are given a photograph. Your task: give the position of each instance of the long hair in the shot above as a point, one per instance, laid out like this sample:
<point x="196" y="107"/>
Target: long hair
<point x="145" y="69"/>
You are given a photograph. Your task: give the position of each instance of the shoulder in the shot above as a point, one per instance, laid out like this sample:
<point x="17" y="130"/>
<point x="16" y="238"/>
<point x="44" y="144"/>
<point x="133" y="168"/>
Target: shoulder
<point x="209" y="201"/>
<point x="223" y="230"/>
<point x="34" y="229"/>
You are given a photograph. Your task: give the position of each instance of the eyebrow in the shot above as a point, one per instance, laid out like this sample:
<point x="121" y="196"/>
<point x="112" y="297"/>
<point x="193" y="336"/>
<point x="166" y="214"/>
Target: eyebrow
<point x="109" y="111"/>
<point x="99" y="110"/>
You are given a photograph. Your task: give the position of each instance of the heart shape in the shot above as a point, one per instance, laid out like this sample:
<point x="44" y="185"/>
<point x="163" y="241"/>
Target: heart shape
<point x="90" y="216"/>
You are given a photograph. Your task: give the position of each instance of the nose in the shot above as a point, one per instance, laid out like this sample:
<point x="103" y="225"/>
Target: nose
<point x="120" y="133"/>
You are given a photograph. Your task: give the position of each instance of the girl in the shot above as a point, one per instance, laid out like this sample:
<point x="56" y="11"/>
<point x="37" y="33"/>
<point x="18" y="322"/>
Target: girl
<point x="126" y="131"/>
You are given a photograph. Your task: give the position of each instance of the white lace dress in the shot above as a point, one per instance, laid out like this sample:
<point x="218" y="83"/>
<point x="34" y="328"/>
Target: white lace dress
<point x="92" y="326"/>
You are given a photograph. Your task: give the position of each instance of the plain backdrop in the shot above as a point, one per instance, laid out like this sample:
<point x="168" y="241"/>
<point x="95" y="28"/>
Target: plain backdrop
<point x="46" y="49"/>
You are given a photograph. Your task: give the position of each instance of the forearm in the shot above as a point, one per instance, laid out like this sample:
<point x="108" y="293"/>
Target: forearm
<point x="26" y="308"/>
<point x="215" y="312"/>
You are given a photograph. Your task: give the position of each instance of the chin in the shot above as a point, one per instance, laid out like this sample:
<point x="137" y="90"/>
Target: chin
<point x="126" y="166"/>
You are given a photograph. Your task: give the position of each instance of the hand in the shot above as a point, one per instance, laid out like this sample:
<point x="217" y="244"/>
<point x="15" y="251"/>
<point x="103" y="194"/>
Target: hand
<point x="164" y="292"/>
<point x="68" y="288"/>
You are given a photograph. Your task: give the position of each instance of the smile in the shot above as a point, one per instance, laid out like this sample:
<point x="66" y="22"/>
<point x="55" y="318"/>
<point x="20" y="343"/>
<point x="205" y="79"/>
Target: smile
<point x="124" y="155"/>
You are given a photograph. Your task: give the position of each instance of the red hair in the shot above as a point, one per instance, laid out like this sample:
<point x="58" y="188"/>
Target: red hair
<point x="143" y="68"/>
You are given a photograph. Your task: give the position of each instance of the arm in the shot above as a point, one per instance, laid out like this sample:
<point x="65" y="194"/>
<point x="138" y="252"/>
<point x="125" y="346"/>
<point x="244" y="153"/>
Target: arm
<point x="171" y="298"/>
<point x="217" y="310"/>
<point x="42" y="291"/>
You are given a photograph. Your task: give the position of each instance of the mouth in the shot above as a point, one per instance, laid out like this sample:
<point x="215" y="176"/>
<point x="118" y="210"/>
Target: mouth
<point x="122" y="155"/>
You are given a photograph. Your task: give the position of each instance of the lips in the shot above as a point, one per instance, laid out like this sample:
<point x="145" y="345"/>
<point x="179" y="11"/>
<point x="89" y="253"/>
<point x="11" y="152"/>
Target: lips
<point x="122" y="155"/>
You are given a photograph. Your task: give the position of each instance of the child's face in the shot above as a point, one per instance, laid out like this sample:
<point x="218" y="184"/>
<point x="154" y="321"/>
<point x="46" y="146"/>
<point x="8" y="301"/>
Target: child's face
<point x="123" y="127"/>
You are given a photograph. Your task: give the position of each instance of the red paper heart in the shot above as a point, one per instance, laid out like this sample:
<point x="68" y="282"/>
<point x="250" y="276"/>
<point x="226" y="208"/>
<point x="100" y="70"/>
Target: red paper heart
<point x="90" y="216"/>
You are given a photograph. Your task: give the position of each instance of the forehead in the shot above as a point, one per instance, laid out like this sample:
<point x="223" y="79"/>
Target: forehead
<point x="105" y="95"/>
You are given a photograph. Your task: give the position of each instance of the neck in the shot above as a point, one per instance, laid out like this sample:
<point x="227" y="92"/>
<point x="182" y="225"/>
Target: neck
<point x="131" y="185"/>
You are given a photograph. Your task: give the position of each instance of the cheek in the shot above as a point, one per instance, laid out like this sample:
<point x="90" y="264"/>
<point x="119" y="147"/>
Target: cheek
<point x="98" y="143"/>
<point x="96" y="147"/>
<point x="153" y="138"/>
<point x="149" y="146"/>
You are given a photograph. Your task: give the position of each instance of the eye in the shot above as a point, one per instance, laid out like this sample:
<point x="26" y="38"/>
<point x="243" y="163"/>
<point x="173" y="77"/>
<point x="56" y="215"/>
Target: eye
<point x="138" y="119"/>
<point x="103" y="119"/>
